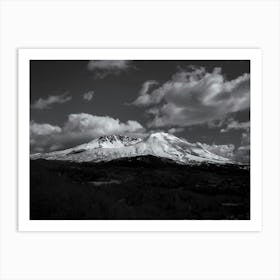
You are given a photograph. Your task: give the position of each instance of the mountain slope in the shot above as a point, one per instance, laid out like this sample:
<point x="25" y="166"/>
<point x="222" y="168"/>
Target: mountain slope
<point x="160" y="144"/>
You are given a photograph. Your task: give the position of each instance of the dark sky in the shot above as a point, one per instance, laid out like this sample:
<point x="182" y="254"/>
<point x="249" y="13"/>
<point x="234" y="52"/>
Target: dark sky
<point x="115" y="87"/>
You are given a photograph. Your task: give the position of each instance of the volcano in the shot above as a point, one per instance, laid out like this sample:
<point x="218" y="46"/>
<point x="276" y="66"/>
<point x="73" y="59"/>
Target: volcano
<point x="159" y="144"/>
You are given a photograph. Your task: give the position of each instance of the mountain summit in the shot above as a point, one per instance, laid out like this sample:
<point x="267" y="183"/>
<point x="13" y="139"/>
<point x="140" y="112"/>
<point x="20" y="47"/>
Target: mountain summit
<point x="159" y="144"/>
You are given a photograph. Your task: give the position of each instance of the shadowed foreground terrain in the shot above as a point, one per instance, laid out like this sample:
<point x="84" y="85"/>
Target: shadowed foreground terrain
<point x="138" y="188"/>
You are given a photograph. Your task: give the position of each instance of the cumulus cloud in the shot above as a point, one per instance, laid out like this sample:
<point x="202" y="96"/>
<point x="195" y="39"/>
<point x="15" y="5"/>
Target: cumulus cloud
<point x="235" y="125"/>
<point x="43" y="129"/>
<point x="243" y="152"/>
<point x="175" y="130"/>
<point x="103" y="68"/>
<point x="79" y="128"/>
<point x="245" y="138"/>
<point x="42" y="135"/>
<point x="46" y="103"/>
<point x="87" y="96"/>
<point x="98" y="125"/>
<point x="144" y="96"/>
<point x="195" y="97"/>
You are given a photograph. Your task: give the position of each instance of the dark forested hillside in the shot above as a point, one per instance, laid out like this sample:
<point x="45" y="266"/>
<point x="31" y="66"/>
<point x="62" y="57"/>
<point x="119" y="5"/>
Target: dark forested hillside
<point x="144" y="187"/>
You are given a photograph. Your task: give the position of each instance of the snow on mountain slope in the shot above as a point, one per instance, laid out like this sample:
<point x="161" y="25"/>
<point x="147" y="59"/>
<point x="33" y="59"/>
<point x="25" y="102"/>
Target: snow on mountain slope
<point x="158" y="144"/>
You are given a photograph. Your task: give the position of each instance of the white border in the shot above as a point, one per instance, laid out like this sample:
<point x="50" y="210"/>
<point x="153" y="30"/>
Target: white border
<point x="254" y="55"/>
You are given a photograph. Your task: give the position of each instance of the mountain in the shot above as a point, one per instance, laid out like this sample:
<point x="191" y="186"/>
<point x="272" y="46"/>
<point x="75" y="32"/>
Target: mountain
<point x="160" y="144"/>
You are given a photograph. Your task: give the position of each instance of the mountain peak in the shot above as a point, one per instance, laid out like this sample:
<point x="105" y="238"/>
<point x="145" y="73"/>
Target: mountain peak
<point x="160" y="133"/>
<point x="164" y="137"/>
<point x="116" y="137"/>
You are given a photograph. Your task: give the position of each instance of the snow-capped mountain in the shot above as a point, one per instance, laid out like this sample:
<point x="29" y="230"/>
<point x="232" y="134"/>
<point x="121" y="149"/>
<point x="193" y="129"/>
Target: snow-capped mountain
<point x="160" y="144"/>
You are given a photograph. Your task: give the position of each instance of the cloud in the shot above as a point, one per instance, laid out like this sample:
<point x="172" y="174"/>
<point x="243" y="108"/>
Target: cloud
<point x="195" y="97"/>
<point x="245" y="138"/>
<point x="88" y="95"/>
<point x="144" y="96"/>
<point x="103" y="68"/>
<point x="243" y="152"/>
<point x="235" y="125"/>
<point x="86" y="124"/>
<point x="42" y="135"/>
<point x="46" y="103"/>
<point x="79" y="128"/>
<point x="174" y="130"/>
<point x="43" y="129"/>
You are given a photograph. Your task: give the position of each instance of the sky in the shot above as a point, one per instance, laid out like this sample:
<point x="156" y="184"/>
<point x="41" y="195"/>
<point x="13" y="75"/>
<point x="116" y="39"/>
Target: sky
<point x="207" y="101"/>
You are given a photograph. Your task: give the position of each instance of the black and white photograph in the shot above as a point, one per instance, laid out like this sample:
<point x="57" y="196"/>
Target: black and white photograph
<point x="139" y="139"/>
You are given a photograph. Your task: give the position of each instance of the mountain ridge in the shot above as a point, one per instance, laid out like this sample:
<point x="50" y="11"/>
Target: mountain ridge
<point x="159" y="144"/>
